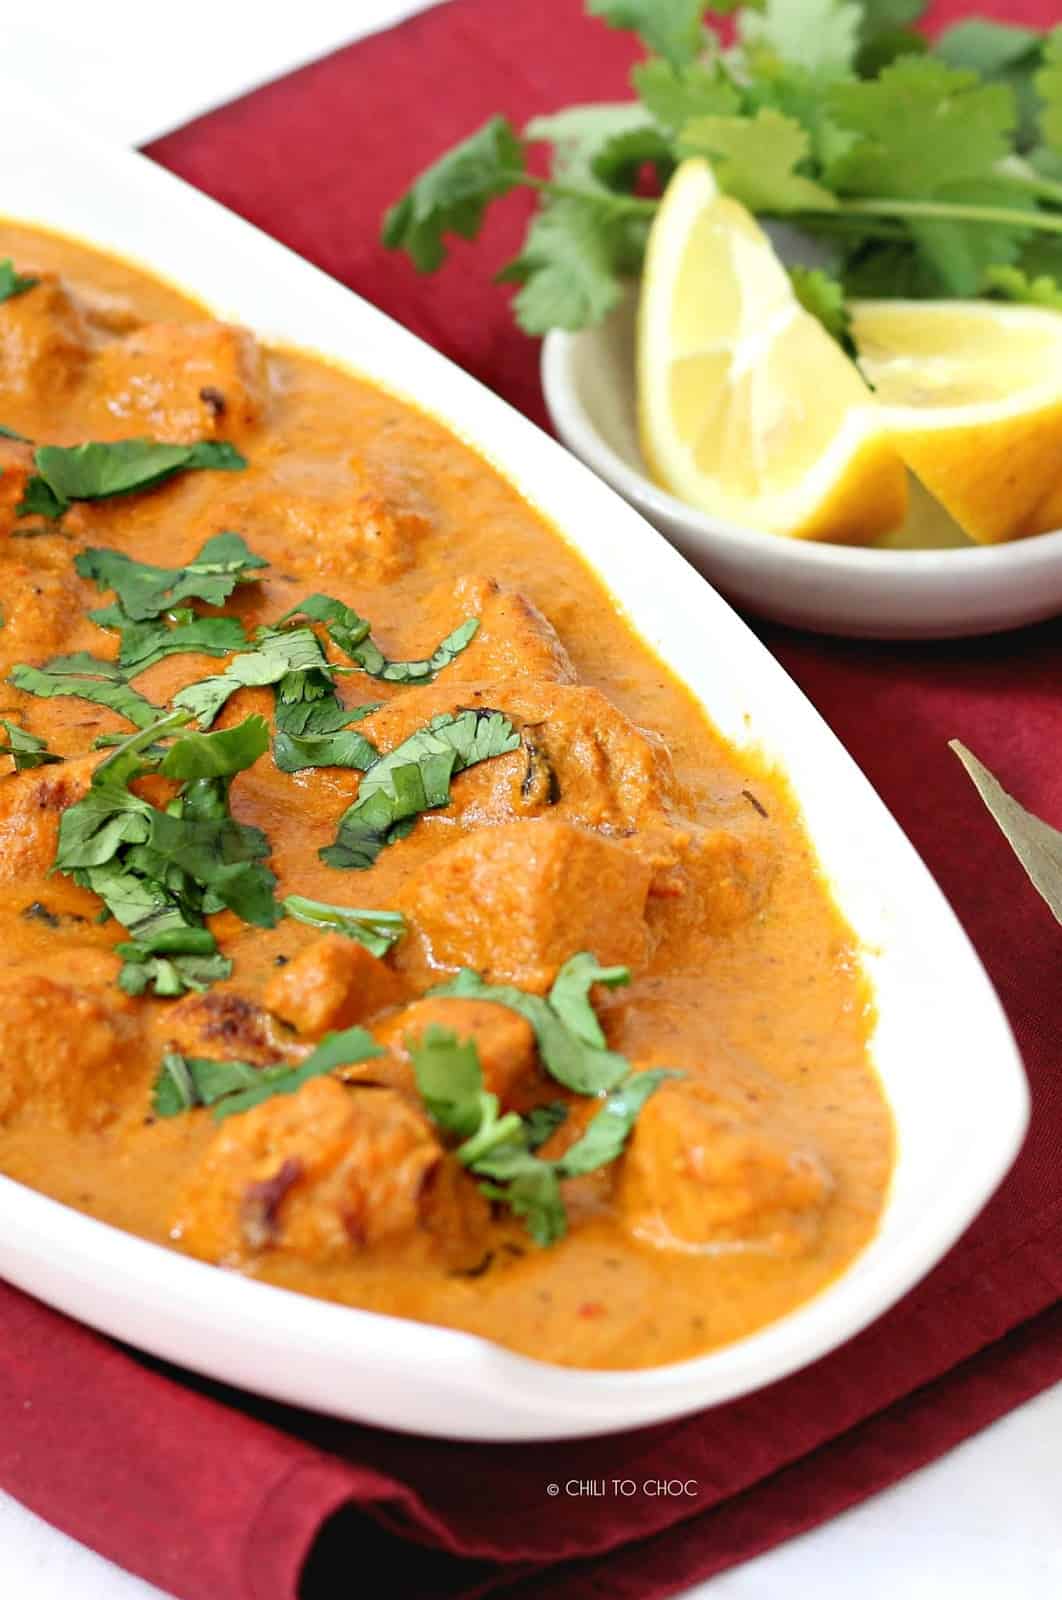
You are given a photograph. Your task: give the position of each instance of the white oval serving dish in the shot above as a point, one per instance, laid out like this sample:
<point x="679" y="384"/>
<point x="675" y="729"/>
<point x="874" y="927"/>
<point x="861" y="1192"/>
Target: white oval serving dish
<point x="951" y="591"/>
<point x="942" y="1045"/>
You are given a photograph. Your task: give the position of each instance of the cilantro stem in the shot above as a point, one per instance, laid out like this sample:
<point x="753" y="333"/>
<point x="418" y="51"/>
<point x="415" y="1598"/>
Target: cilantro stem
<point x="487" y="1137"/>
<point x="948" y="211"/>
<point x="146" y="737"/>
<point x="630" y="204"/>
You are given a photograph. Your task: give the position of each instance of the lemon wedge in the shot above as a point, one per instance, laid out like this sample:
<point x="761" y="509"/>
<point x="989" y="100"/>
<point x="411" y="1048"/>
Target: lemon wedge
<point x="747" y="408"/>
<point x="973" y="394"/>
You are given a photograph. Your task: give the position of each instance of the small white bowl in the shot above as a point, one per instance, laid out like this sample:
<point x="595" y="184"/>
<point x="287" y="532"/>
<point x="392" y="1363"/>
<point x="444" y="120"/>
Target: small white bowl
<point x="953" y="590"/>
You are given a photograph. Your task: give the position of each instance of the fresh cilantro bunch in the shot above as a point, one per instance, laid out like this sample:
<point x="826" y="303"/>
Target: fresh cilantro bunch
<point x="926" y="170"/>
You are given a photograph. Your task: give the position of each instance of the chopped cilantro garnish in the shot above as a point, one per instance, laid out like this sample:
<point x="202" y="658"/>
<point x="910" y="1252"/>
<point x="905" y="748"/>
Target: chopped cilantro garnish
<point x="570" y="994"/>
<point x="415" y="777"/>
<point x="345" y="748"/>
<point x="293" y="655"/>
<point x="87" y="678"/>
<point x="161" y="872"/>
<point x="350" y="633"/>
<point x="24" y="748"/>
<point x="570" y="1041"/>
<point x="376" y="930"/>
<point x="96" y="471"/>
<point x="145" y="591"/>
<point x="234" y="1086"/>
<point x="180" y="633"/>
<point x="501" y="1150"/>
<point x="13" y="283"/>
<point x="172" y="962"/>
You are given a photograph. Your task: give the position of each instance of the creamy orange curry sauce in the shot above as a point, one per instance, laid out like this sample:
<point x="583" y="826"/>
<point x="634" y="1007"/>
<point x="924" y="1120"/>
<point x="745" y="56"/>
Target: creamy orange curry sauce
<point x="615" y="821"/>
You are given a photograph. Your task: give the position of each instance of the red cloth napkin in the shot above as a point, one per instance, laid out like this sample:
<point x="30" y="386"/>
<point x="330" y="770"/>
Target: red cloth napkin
<point x="217" y="1496"/>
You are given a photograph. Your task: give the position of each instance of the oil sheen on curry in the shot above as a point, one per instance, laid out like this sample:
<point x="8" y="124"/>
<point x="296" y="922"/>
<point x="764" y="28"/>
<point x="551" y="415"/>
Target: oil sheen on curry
<point x="381" y="919"/>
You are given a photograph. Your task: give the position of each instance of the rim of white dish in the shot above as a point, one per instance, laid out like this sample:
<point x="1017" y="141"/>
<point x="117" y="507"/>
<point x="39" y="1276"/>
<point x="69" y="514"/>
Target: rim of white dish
<point x="573" y="423"/>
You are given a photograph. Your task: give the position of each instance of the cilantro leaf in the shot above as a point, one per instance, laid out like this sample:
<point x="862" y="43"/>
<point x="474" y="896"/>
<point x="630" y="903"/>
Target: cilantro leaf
<point x="376" y="930"/>
<point x="575" y="1063"/>
<point x="145" y="643"/>
<point x="12" y="282"/>
<point x="962" y="252"/>
<point x="452" y="196"/>
<point x="39" y="501"/>
<point x="823" y="295"/>
<point x="500" y="1150"/>
<point x="450" y="1082"/>
<point x="168" y="976"/>
<point x="988" y="48"/>
<point x="675" y="95"/>
<point x="25" y="748"/>
<point x="87" y="679"/>
<point x="95" y="471"/>
<point x="620" y="160"/>
<point x="195" y="756"/>
<point x="187" y="1081"/>
<point x="927" y="131"/>
<point x="279" y="655"/>
<point x="819" y="35"/>
<point x="146" y="591"/>
<point x="999" y="53"/>
<point x="160" y="872"/>
<point x="345" y="748"/>
<point x="1012" y="283"/>
<point x="231" y="1087"/>
<point x="570" y="267"/>
<point x="581" y="134"/>
<point x="570" y="995"/>
<point x="542" y="1122"/>
<point x="921" y="127"/>
<point x="350" y="633"/>
<point x="529" y="1186"/>
<point x="1049" y="89"/>
<point x="887" y="34"/>
<point x="321" y="715"/>
<point x="755" y="160"/>
<point x="672" y="28"/>
<point x="415" y="777"/>
<point x="607" y="1134"/>
<point x="342" y="623"/>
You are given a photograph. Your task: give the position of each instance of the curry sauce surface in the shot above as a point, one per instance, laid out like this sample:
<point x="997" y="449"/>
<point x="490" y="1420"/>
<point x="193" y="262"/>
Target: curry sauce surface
<point x="750" y="985"/>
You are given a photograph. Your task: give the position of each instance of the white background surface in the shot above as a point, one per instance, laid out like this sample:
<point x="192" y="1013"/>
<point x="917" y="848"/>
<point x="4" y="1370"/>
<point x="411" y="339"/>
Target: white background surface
<point x="983" y="1523"/>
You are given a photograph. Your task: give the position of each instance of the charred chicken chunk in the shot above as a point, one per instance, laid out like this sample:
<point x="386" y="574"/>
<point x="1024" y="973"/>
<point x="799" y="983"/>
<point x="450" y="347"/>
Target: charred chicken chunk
<point x="326" y="1172"/>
